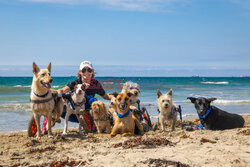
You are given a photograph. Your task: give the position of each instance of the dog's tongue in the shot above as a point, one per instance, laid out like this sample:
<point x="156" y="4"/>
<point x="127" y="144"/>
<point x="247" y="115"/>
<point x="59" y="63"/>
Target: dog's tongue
<point x="47" y="85"/>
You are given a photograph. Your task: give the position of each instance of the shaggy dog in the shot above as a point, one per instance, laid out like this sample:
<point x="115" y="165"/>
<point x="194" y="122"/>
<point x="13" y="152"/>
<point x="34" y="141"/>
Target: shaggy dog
<point x="167" y="109"/>
<point x="41" y="99"/>
<point x="134" y="90"/>
<point x="214" y="118"/>
<point x="101" y="117"/>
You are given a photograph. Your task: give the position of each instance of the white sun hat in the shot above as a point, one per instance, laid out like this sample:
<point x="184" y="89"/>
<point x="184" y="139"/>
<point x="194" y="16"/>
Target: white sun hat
<point x="86" y="64"/>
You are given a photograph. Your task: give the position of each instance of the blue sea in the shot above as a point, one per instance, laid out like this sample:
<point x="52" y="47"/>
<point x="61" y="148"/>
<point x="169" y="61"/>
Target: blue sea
<point x="232" y="93"/>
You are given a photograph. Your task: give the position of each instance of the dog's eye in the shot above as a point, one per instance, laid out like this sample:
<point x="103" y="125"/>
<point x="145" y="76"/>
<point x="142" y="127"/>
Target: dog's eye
<point x="43" y="75"/>
<point x="162" y="101"/>
<point x="119" y="99"/>
<point x="168" y="101"/>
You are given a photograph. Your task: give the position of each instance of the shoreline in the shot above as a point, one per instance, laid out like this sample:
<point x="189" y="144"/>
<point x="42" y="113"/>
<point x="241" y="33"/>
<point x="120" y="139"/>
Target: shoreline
<point x="196" y="148"/>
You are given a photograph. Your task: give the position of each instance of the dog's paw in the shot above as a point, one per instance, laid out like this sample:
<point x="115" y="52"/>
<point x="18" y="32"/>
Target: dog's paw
<point x="50" y="136"/>
<point x="110" y="136"/>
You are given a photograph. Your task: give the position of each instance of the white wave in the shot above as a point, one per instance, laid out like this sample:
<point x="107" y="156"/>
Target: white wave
<point x="216" y="83"/>
<point x="25" y="107"/>
<point x="24" y="86"/>
<point x="230" y="102"/>
<point x="28" y="86"/>
<point x="218" y="101"/>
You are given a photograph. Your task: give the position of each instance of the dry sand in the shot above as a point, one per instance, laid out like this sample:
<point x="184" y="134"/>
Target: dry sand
<point x="154" y="148"/>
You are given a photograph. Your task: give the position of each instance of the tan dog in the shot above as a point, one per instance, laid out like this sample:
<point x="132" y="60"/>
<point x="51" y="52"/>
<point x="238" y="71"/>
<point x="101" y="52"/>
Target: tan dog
<point x="101" y="117"/>
<point x="41" y="100"/>
<point x="125" y="121"/>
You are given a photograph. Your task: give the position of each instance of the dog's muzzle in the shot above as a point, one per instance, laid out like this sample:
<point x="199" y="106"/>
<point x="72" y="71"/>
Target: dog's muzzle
<point x="122" y="106"/>
<point x="166" y="105"/>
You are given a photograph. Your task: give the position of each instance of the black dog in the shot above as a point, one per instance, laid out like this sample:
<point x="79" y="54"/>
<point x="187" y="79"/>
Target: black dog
<point x="214" y="118"/>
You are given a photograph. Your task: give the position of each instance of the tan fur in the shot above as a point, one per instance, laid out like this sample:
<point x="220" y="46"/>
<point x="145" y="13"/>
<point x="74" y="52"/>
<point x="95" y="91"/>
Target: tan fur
<point x="40" y="77"/>
<point x="112" y="107"/>
<point x="124" y="126"/>
<point x="101" y="117"/>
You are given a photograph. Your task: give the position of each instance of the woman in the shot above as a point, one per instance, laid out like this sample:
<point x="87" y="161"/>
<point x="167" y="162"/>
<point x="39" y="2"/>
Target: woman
<point x="86" y="76"/>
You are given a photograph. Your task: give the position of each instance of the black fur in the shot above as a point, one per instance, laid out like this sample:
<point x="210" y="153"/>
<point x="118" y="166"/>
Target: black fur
<point x="217" y="119"/>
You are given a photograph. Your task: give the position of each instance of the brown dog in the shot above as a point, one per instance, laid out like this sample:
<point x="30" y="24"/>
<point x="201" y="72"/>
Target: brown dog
<point x="125" y="121"/>
<point x="101" y="117"/>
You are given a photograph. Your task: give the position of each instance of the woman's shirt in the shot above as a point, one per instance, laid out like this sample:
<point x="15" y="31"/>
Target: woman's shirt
<point x="94" y="88"/>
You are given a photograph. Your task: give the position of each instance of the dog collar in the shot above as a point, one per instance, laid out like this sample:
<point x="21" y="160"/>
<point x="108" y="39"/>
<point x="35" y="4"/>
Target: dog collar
<point x="41" y="95"/>
<point x="204" y="116"/>
<point x="123" y="115"/>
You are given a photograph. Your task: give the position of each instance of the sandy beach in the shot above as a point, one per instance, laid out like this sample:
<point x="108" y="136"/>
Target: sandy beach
<point x="154" y="148"/>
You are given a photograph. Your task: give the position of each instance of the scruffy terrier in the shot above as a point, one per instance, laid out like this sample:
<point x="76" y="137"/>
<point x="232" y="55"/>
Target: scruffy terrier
<point x="134" y="90"/>
<point x="167" y="109"/>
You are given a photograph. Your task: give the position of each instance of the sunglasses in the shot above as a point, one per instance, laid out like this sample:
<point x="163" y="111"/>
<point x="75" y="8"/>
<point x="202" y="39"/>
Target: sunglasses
<point x="84" y="70"/>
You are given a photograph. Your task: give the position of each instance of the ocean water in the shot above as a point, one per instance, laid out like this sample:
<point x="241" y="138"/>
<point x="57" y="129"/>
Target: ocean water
<point x="233" y="95"/>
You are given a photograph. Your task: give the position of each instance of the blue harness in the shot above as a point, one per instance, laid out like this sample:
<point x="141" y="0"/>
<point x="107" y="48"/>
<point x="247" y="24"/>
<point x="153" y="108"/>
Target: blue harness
<point x="123" y="115"/>
<point x="41" y="95"/>
<point x="204" y="116"/>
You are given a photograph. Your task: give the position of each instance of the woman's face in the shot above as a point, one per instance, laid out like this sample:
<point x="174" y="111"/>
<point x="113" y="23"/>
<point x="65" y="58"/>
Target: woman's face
<point x="87" y="72"/>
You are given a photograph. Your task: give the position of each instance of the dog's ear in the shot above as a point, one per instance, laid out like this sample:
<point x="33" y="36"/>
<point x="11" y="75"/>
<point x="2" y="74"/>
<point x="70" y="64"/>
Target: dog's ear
<point x="124" y="86"/>
<point x="170" y="92"/>
<point x="103" y="107"/>
<point x="129" y="94"/>
<point x="158" y="93"/>
<point x="115" y="94"/>
<point x="49" y="67"/>
<point x="211" y="99"/>
<point x="36" y="69"/>
<point x="75" y="87"/>
<point x="192" y="99"/>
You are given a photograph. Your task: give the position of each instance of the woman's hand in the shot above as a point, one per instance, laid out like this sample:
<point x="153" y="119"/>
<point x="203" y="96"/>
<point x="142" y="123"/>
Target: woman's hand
<point x="107" y="96"/>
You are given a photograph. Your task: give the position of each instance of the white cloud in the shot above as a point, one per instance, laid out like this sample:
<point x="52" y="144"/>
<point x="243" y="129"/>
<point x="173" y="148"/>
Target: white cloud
<point x="133" y="5"/>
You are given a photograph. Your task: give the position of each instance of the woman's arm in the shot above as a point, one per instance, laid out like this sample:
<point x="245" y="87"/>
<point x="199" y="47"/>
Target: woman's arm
<point x="63" y="90"/>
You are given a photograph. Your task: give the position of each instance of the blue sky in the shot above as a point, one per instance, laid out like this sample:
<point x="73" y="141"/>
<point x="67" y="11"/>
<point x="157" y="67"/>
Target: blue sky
<point x="177" y="35"/>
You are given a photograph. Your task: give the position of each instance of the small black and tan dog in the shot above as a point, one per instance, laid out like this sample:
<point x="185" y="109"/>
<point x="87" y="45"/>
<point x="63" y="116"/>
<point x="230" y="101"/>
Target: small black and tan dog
<point x="214" y="118"/>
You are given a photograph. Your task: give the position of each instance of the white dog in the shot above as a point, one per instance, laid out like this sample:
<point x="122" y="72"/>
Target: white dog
<point x="134" y="89"/>
<point x="79" y="100"/>
<point x="167" y="109"/>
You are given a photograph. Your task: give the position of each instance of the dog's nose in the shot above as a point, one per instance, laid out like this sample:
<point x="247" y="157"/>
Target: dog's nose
<point x="166" y="105"/>
<point x="112" y="103"/>
<point x="123" y="105"/>
<point x="50" y="80"/>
